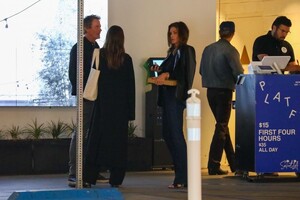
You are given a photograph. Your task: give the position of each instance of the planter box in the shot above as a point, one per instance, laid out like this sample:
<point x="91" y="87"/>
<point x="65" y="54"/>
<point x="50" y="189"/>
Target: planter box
<point x="40" y="156"/>
<point x="50" y="156"/>
<point x="15" y="157"/>
<point x="139" y="154"/>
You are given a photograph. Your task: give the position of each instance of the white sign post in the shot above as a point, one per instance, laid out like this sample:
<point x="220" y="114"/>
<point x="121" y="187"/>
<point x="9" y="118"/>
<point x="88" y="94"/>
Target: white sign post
<point x="194" y="145"/>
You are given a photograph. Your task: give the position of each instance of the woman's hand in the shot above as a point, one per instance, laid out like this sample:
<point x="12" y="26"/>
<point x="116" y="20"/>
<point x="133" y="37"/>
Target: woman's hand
<point x="155" y="68"/>
<point x="161" y="78"/>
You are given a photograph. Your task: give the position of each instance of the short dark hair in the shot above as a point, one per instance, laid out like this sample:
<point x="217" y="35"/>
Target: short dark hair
<point x="226" y="29"/>
<point x="87" y="21"/>
<point x="282" y="20"/>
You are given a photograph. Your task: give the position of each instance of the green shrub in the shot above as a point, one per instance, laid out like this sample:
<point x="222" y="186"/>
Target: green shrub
<point x="57" y="129"/>
<point x="15" y="132"/>
<point x="35" y="130"/>
<point x="71" y="127"/>
<point x="131" y="129"/>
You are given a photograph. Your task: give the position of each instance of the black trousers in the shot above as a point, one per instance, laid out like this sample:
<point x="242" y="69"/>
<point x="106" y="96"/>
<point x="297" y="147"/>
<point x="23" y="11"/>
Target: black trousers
<point x="173" y="133"/>
<point x="220" y="101"/>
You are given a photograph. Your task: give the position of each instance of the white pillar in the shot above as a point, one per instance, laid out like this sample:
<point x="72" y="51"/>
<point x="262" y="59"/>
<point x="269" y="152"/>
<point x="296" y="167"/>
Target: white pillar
<point x="193" y="145"/>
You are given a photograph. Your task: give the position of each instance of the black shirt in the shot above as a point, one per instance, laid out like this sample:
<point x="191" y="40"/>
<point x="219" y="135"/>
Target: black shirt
<point x="267" y="44"/>
<point x="88" y="49"/>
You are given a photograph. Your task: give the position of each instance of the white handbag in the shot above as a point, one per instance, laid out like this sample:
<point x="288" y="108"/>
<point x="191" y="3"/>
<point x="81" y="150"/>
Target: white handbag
<point x="91" y="88"/>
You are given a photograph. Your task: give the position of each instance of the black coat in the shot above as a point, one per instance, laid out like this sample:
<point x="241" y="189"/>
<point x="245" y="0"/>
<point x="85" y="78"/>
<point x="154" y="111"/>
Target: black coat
<point x="114" y="107"/>
<point x="183" y="73"/>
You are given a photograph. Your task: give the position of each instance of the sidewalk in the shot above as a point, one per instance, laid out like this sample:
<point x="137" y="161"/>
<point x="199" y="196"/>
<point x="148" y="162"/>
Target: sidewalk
<point x="152" y="185"/>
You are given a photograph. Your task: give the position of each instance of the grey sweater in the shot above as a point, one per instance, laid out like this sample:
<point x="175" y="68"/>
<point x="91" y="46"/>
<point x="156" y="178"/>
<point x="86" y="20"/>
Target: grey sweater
<point x="220" y="65"/>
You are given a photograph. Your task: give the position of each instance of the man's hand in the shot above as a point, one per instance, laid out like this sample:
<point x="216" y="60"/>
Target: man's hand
<point x="292" y="67"/>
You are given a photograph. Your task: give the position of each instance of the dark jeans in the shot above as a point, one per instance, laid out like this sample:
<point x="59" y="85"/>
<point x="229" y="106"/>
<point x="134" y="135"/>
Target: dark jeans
<point x="220" y="104"/>
<point x="87" y="114"/>
<point x="173" y="133"/>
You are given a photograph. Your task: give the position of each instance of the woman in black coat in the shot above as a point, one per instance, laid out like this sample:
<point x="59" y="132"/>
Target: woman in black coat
<point x="180" y="66"/>
<point x="114" y="107"/>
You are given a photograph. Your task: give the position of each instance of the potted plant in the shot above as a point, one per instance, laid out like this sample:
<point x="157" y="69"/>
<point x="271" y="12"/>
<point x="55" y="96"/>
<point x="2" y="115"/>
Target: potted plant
<point x="35" y="130"/>
<point x="58" y="129"/>
<point x="72" y="127"/>
<point x="1" y="134"/>
<point x="51" y="154"/>
<point x="139" y="151"/>
<point x="15" y="132"/>
<point x="131" y="130"/>
<point x="37" y="148"/>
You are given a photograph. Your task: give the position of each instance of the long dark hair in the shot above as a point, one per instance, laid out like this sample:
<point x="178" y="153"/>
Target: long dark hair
<point x="183" y="33"/>
<point x="114" y="47"/>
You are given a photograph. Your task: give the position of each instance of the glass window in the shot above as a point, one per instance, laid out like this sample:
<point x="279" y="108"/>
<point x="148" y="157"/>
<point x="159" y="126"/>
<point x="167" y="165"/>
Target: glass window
<point x="36" y="38"/>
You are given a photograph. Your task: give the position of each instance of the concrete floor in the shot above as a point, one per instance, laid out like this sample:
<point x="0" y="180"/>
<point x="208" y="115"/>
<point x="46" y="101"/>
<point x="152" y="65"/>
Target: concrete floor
<point x="153" y="185"/>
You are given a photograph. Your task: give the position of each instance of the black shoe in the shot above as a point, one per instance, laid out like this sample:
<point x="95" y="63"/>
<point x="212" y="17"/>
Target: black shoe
<point x="87" y="185"/>
<point x="72" y="178"/>
<point x="114" y="186"/>
<point x="102" y="179"/>
<point x="218" y="171"/>
<point x="238" y="173"/>
<point x="271" y="174"/>
<point x="72" y="181"/>
<point x="177" y="186"/>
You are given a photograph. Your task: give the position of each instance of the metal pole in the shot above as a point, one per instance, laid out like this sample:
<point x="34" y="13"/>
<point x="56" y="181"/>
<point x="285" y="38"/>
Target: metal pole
<point x="194" y="145"/>
<point x="79" y="134"/>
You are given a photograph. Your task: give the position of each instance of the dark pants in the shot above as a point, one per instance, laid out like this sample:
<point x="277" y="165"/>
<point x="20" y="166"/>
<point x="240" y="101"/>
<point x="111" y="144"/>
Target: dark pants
<point x="173" y="133"/>
<point x="220" y="104"/>
<point x="87" y="114"/>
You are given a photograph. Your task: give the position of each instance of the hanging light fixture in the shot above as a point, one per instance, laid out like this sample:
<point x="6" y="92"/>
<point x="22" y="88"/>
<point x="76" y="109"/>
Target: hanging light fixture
<point x="6" y="25"/>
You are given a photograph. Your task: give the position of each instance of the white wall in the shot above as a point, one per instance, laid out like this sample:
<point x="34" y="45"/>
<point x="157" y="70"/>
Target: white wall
<point x="20" y="116"/>
<point x="254" y="18"/>
<point x="145" y="24"/>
